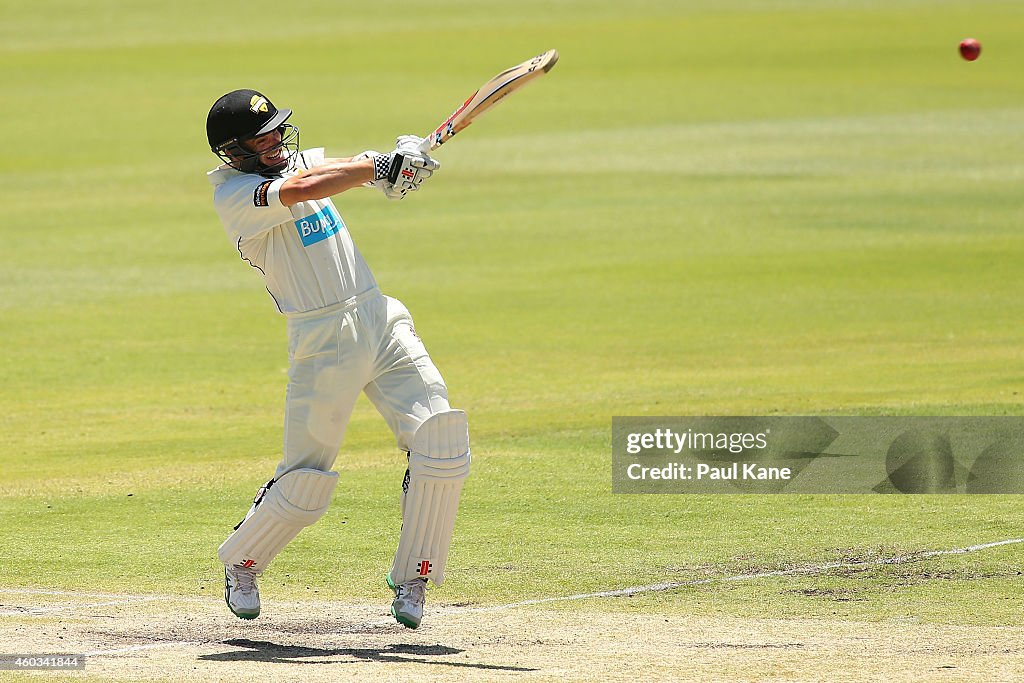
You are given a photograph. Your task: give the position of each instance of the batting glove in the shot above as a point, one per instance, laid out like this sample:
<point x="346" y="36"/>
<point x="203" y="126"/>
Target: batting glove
<point x="383" y="185"/>
<point x="404" y="169"/>
<point x="411" y="143"/>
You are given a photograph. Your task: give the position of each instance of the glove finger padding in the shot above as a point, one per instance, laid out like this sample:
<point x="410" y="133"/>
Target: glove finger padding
<point x="409" y="143"/>
<point x="390" y="191"/>
<point x="409" y="171"/>
<point x="425" y="162"/>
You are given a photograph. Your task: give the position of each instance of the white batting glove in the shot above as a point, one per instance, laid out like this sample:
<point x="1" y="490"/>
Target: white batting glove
<point x="389" y="190"/>
<point x="383" y="185"/>
<point x="404" y="169"/>
<point x="410" y="143"/>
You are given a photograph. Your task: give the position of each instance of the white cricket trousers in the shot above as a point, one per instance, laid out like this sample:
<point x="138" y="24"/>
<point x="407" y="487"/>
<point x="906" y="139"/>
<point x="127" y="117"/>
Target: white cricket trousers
<point x="367" y="343"/>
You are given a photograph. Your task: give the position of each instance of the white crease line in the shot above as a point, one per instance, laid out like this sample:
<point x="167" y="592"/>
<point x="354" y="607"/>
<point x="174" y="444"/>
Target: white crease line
<point x="658" y="587"/>
<point x="137" y="648"/>
<point x="75" y="594"/>
<point x="113" y="599"/>
<point x="653" y="588"/>
<point x="121" y="600"/>
<point x="968" y="549"/>
<point x="38" y="611"/>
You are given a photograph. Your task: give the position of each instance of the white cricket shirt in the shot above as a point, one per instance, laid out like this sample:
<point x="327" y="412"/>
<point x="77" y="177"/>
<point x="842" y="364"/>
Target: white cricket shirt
<point x="304" y="252"/>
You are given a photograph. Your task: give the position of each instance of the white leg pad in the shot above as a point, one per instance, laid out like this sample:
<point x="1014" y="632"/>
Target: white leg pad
<point x="293" y="502"/>
<point x="438" y="464"/>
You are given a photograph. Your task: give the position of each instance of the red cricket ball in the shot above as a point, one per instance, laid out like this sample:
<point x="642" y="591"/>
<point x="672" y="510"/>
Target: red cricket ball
<point x="970" y="49"/>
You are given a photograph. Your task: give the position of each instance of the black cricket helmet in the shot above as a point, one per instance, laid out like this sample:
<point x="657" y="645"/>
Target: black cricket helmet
<point x="243" y="115"/>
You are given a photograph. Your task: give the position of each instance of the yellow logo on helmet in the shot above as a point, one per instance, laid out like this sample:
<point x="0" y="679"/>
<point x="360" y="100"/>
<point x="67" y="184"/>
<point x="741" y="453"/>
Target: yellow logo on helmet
<point x="258" y="104"/>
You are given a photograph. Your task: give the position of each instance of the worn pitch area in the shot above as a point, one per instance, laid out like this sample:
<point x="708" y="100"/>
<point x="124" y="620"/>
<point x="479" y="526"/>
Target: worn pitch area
<point x="174" y="638"/>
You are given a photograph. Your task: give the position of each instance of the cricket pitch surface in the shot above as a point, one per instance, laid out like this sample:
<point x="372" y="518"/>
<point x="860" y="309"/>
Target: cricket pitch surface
<point x="173" y="638"/>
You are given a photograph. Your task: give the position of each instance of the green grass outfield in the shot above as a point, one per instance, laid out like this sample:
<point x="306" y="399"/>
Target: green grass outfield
<point x="706" y="208"/>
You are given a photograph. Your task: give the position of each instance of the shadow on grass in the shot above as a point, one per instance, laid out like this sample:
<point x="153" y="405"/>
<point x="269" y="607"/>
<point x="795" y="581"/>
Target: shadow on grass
<point x="265" y="651"/>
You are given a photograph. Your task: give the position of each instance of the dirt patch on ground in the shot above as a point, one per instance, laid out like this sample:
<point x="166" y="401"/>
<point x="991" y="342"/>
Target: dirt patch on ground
<point x="149" y="638"/>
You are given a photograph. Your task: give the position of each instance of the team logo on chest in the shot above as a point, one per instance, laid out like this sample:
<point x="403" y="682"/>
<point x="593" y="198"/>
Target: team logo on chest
<point x="318" y="226"/>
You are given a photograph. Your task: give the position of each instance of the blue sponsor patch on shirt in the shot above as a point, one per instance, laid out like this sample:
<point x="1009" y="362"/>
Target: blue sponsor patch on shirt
<point x="318" y="226"/>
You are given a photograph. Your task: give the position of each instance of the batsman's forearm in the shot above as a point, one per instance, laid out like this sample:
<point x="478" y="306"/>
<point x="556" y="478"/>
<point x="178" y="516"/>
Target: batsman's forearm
<point x="324" y="181"/>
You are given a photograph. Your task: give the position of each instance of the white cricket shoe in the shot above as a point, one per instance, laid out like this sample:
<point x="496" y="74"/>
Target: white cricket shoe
<point x="241" y="592"/>
<point x="410" y="596"/>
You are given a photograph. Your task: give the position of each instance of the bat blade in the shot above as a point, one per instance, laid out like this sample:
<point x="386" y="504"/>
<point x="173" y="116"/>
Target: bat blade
<point x="489" y="94"/>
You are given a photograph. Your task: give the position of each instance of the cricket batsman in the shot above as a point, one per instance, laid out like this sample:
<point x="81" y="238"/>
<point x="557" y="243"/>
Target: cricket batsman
<point x="344" y="336"/>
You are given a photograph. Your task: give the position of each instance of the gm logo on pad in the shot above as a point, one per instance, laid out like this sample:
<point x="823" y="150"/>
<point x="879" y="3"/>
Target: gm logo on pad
<point x="318" y="226"/>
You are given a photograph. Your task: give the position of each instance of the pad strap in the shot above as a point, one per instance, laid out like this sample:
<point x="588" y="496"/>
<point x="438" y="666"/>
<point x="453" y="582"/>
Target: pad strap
<point x="296" y="500"/>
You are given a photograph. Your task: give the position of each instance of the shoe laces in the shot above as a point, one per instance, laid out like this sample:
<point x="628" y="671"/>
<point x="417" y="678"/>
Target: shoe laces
<point x="245" y="579"/>
<point x="415" y="590"/>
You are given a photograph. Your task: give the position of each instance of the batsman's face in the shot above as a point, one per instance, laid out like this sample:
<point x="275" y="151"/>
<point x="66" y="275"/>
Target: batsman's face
<point x="272" y="152"/>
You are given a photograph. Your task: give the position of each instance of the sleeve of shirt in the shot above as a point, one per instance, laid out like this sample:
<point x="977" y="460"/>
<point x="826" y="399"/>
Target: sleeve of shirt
<point x="250" y="204"/>
<point x="314" y="157"/>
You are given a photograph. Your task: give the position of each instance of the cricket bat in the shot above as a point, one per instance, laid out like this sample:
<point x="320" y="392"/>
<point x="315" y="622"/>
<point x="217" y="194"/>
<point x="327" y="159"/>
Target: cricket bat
<point x="489" y="94"/>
